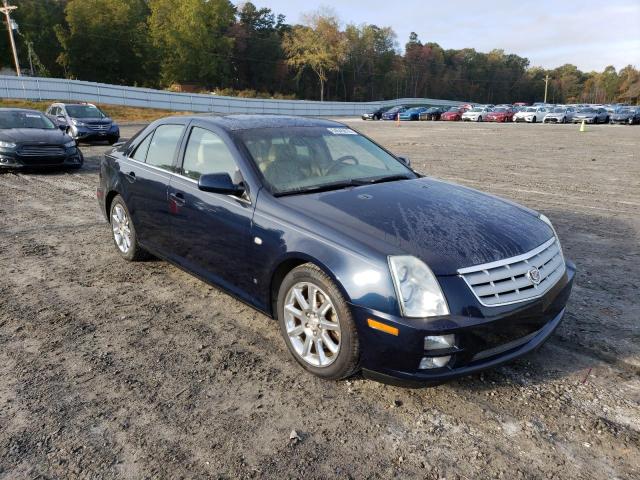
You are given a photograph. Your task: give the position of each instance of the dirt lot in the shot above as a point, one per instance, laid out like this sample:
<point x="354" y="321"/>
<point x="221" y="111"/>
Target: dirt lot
<point x="116" y="370"/>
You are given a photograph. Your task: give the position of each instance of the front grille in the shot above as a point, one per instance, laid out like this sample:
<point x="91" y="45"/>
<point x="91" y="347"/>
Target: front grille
<point x="41" y="151"/>
<point x="99" y="127"/>
<point x="509" y="281"/>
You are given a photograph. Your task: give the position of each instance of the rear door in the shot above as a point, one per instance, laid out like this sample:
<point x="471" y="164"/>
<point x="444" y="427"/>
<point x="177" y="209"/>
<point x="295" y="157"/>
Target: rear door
<point x="145" y="174"/>
<point x="211" y="231"/>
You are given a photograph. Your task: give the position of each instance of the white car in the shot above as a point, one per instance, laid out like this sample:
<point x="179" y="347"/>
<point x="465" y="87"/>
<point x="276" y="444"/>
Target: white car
<point x="559" y="115"/>
<point x="476" y="114"/>
<point x="531" y="114"/>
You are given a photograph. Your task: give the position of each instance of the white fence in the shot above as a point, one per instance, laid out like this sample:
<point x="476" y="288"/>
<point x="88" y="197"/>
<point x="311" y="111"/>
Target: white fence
<point x="35" y="88"/>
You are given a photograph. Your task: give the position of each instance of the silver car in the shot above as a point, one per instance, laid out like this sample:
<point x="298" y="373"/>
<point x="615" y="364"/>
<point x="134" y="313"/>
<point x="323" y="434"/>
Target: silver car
<point x="591" y="115"/>
<point x="559" y="115"/>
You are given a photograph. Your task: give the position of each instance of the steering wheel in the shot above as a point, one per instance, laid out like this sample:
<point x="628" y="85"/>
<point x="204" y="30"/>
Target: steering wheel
<point x="342" y="161"/>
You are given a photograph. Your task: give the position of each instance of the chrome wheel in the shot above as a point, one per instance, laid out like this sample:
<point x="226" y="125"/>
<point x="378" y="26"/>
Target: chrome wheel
<point x="121" y="228"/>
<point x="312" y="325"/>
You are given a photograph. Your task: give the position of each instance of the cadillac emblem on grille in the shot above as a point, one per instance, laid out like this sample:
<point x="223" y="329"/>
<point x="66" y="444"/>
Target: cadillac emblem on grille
<point x="534" y="275"/>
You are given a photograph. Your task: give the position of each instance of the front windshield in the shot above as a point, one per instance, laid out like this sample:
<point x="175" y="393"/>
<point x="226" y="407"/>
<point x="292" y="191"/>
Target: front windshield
<point x="559" y="110"/>
<point x="477" y="109"/>
<point x="454" y="109"/>
<point x="500" y="110"/>
<point x="299" y="159"/>
<point x="530" y="109"/>
<point x="587" y="110"/>
<point x="18" y="119"/>
<point x="84" y="111"/>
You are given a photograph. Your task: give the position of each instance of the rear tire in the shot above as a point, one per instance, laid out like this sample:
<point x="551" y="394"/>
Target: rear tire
<point x="124" y="232"/>
<point x="316" y="324"/>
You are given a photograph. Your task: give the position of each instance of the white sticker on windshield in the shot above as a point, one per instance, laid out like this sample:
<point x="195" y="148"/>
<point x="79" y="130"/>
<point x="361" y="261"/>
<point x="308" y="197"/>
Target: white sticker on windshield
<point x="342" y="131"/>
<point x="32" y="115"/>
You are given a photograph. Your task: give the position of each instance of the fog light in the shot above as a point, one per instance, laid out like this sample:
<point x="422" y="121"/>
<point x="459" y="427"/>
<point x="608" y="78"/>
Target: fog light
<point x="438" y="342"/>
<point x="433" y="362"/>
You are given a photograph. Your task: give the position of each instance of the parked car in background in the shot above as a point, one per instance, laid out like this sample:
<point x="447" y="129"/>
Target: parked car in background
<point x="454" y="114"/>
<point x="531" y="114"/>
<point x="412" y="114"/>
<point x="559" y="115"/>
<point x="376" y="114"/>
<point x="84" y="122"/>
<point x="500" y="114"/>
<point x="626" y="115"/>
<point x="392" y="113"/>
<point x="365" y="264"/>
<point x="591" y="115"/>
<point x="30" y="139"/>
<point x="520" y="104"/>
<point x="476" y="114"/>
<point x="433" y="113"/>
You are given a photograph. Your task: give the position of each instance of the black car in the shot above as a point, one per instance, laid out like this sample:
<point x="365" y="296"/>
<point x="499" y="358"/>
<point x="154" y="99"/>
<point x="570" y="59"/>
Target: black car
<point x="84" y="122"/>
<point x="376" y="114"/>
<point x="365" y="263"/>
<point x="29" y="139"/>
<point x="433" y="113"/>
<point x="626" y="115"/>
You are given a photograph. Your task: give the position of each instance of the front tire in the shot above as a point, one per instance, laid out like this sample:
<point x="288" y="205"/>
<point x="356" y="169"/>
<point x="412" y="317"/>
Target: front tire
<point x="480" y="118"/>
<point x="316" y="324"/>
<point x="124" y="233"/>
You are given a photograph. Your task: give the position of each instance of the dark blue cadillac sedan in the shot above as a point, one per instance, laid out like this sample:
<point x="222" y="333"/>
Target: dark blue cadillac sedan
<point x="366" y="264"/>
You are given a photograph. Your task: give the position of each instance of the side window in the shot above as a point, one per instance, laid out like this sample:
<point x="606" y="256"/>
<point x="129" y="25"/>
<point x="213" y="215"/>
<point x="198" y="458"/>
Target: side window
<point x="140" y="153"/>
<point x="163" y="146"/>
<point x="207" y="153"/>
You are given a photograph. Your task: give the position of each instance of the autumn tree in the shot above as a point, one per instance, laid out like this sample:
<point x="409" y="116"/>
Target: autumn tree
<point x="318" y="45"/>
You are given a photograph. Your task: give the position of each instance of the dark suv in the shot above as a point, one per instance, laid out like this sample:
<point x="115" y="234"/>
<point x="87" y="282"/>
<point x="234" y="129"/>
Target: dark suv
<point x="84" y="122"/>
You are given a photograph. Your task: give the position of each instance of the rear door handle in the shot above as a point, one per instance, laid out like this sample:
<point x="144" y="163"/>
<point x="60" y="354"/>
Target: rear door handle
<point x="177" y="198"/>
<point x="131" y="176"/>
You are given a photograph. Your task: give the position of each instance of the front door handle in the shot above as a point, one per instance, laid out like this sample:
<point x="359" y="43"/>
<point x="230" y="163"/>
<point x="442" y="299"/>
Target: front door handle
<point x="131" y="176"/>
<point x="177" y="198"/>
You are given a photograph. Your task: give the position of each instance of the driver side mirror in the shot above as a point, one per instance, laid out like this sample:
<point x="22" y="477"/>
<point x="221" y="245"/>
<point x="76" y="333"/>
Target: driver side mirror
<point x="405" y="160"/>
<point x="219" y="183"/>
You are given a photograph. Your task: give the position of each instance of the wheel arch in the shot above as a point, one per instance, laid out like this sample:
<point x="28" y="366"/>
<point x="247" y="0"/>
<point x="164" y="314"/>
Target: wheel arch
<point x="108" y="200"/>
<point x="286" y="265"/>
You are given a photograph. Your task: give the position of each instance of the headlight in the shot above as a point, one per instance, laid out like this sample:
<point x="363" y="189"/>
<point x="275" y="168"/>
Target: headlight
<point x="546" y="220"/>
<point x="70" y="144"/>
<point x="77" y="123"/>
<point x="7" y="145"/>
<point x="418" y="290"/>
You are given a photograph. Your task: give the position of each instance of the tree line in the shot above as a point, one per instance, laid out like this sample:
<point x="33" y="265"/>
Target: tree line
<point x="243" y="50"/>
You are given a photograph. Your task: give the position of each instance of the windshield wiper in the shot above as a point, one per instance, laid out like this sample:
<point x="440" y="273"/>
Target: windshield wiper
<point x="324" y="188"/>
<point x="390" y="178"/>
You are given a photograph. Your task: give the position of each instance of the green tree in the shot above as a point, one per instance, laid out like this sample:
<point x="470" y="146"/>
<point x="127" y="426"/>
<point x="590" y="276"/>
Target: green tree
<point x="318" y="45"/>
<point x="192" y="41"/>
<point x="105" y="41"/>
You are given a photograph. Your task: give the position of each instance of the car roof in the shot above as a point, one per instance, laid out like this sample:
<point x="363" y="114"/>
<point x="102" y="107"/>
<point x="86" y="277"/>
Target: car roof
<point x="251" y="122"/>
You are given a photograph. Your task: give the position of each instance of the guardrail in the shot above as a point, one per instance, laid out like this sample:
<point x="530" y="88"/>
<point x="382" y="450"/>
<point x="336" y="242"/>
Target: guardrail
<point x="37" y="88"/>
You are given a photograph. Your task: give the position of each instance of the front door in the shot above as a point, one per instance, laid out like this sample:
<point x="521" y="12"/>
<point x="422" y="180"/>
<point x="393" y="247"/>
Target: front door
<point x="211" y="231"/>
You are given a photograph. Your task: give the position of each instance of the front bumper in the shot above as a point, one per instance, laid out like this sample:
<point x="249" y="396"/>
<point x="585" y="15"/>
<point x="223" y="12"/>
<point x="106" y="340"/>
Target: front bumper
<point x="485" y="336"/>
<point x="72" y="158"/>
<point x="586" y="120"/>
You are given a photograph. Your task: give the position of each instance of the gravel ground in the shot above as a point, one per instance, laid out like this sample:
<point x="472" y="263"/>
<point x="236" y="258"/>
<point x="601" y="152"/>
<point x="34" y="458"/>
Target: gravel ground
<point x="117" y="370"/>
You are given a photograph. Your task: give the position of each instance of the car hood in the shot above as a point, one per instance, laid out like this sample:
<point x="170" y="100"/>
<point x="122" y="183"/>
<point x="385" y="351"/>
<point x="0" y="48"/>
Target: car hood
<point x="448" y="226"/>
<point x="34" y="135"/>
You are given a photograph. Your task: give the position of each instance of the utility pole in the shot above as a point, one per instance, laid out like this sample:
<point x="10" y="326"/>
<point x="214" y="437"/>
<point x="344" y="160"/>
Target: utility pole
<point x="6" y="9"/>
<point x="546" y="85"/>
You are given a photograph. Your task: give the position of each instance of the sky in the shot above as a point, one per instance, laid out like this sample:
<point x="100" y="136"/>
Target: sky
<point x="590" y="34"/>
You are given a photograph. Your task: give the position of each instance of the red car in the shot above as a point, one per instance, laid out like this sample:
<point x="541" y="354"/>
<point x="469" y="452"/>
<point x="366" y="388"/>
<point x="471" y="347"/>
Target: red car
<point x="454" y="114"/>
<point x="500" y="114"/>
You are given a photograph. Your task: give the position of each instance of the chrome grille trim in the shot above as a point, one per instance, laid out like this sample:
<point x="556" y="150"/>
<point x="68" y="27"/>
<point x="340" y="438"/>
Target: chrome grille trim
<point x="99" y="127"/>
<point x="505" y="281"/>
